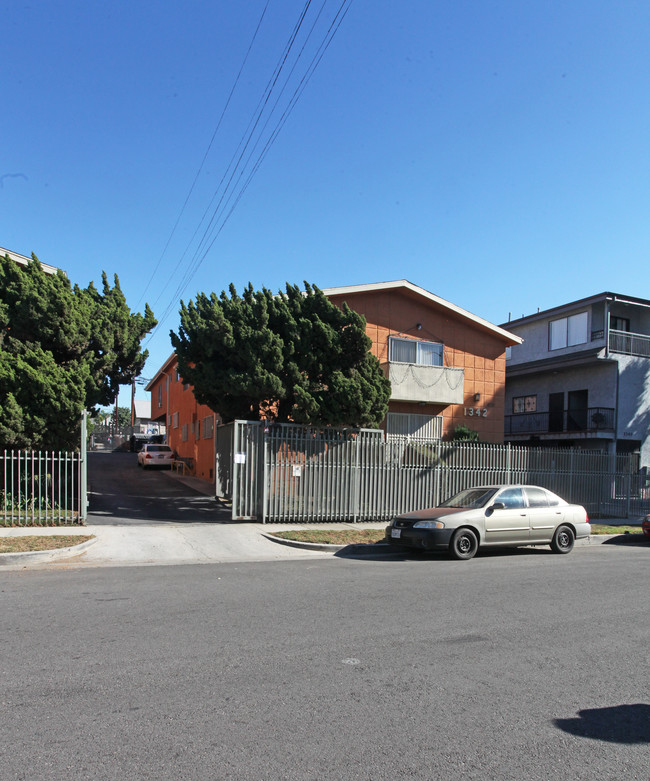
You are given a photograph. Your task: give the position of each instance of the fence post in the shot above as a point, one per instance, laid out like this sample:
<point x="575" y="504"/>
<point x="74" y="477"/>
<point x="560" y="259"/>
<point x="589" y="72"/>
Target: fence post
<point x="509" y="464"/>
<point x="83" y="476"/>
<point x="629" y="486"/>
<point x="357" y="479"/>
<point x="263" y="447"/>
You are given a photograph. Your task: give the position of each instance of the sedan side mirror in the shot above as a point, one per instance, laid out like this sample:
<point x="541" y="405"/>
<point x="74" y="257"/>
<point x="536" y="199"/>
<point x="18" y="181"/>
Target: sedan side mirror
<point x="498" y="506"/>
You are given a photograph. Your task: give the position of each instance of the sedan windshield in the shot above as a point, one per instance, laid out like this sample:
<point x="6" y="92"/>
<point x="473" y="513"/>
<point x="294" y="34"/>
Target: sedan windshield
<point x="471" y="497"/>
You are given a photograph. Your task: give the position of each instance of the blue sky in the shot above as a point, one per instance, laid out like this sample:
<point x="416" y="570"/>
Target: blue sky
<point x="495" y="153"/>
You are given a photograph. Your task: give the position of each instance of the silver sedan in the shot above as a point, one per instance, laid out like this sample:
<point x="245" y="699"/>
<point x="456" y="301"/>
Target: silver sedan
<point x="491" y="516"/>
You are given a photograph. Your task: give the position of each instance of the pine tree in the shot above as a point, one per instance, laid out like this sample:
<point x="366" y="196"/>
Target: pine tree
<point x="63" y="349"/>
<point x="294" y="356"/>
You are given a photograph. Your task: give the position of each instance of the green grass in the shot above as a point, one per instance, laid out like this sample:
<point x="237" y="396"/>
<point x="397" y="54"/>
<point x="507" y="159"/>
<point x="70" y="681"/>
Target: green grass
<point x="601" y="528"/>
<point x="332" y="536"/>
<point x="25" y="544"/>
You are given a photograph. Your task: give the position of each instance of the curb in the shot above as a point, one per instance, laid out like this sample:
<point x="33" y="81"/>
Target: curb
<point x="383" y="547"/>
<point x="351" y="547"/>
<point x="33" y="557"/>
<point x="315" y="546"/>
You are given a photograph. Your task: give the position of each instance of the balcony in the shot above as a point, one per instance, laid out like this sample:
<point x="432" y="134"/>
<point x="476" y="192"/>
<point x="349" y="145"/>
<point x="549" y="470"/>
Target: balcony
<point x="629" y="344"/>
<point x="589" y="421"/>
<point x="425" y="384"/>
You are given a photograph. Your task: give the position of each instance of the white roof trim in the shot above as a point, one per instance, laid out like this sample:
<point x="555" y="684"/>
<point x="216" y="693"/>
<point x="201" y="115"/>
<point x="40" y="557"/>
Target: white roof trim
<point x="161" y="372"/>
<point x="24" y="260"/>
<point x="441" y="302"/>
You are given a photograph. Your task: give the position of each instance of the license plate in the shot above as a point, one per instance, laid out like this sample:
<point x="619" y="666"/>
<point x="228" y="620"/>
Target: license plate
<point x="396" y="533"/>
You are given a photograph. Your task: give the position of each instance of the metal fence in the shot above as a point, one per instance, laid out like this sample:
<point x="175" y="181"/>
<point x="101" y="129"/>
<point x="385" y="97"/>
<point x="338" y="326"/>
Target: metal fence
<point x="41" y="488"/>
<point x="44" y="488"/>
<point x="284" y="473"/>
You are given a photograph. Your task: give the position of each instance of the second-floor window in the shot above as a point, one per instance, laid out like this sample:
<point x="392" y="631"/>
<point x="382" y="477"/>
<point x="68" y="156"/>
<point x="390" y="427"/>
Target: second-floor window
<point x="208" y="427"/>
<point x="568" y="331"/>
<point x="521" y="404"/>
<point x="160" y="395"/>
<point x="415" y="351"/>
<point x="619" y="323"/>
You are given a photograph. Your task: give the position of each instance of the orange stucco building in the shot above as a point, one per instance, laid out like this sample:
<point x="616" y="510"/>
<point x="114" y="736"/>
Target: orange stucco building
<point x="446" y="367"/>
<point x="190" y="425"/>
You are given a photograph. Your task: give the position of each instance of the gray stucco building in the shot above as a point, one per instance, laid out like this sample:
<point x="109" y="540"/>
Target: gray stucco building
<point x="581" y="377"/>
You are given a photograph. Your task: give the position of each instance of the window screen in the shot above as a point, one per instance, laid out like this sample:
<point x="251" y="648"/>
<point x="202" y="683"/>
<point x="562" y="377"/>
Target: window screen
<point x="416" y="351"/>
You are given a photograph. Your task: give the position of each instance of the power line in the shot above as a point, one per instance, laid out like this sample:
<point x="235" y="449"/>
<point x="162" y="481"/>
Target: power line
<point x="245" y="139"/>
<point x="205" y="156"/>
<point x="244" y="170"/>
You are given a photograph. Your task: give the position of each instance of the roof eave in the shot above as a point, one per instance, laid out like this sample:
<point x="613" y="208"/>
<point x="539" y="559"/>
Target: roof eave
<point x="161" y="372"/>
<point x="507" y="336"/>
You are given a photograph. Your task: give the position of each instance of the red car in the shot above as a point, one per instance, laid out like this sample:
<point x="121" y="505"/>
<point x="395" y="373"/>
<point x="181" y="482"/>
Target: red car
<point x="645" y="525"/>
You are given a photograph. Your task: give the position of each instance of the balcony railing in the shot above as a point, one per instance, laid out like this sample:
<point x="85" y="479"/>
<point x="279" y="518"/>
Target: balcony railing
<point x="629" y="344"/>
<point x="589" y="420"/>
<point x="427" y="384"/>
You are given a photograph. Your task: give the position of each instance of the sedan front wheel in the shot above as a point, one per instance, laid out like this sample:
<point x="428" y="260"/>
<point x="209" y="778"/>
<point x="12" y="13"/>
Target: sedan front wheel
<point x="464" y="544"/>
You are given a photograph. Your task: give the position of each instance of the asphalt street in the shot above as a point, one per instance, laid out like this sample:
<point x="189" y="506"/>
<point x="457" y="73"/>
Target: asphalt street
<point x="515" y="665"/>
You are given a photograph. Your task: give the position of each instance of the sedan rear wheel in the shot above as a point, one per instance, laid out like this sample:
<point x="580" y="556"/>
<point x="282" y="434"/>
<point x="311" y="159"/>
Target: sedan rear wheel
<point x="464" y="544"/>
<point x="563" y="540"/>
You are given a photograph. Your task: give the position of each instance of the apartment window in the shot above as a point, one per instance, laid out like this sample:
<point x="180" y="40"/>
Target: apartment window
<point x="415" y="351"/>
<point x="521" y="404"/>
<point x="177" y="375"/>
<point x="403" y="424"/>
<point x="619" y="323"/>
<point x="175" y="420"/>
<point x="208" y="427"/>
<point x="184" y="432"/>
<point x="197" y="429"/>
<point x="567" y="331"/>
<point x="160" y="395"/>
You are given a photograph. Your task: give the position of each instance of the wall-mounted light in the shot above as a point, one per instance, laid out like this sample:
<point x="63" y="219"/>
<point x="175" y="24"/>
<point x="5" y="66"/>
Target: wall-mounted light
<point x="419" y="326"/>
<point x="477" y="397"/>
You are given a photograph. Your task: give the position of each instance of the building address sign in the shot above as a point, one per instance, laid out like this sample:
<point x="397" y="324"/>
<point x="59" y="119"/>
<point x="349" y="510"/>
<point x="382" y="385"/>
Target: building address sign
<point x="475" y="412"/>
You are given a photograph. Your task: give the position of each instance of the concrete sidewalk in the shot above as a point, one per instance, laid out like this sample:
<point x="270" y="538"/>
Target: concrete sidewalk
<point x="183" y="543"/>
<point x="129" y="545"/>
<point x="149" y="545"/>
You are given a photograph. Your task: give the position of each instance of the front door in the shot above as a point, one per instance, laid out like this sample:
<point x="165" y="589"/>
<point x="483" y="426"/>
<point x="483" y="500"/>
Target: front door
<point x="577" y="410"/>
<point x="509" y="524"/>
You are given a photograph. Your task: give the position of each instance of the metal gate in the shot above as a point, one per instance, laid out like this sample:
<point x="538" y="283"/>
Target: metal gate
<point x="238" y="447"/>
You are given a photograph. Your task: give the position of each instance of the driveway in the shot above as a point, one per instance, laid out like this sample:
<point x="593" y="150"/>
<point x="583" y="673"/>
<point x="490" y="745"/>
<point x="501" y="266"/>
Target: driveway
<point x="152" y="517"/>
<point x="120" y="492"/>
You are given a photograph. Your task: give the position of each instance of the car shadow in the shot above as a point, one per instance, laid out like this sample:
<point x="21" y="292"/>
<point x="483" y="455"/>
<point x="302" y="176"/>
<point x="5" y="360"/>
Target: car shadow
<point x="628" y="539"/>
<point x="379" y="549"/>
<point x="628" y="724"/>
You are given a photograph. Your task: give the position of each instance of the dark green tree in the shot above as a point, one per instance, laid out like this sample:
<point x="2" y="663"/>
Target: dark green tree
<point x="294" y="356"/>
<point x="63" y="349"/>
